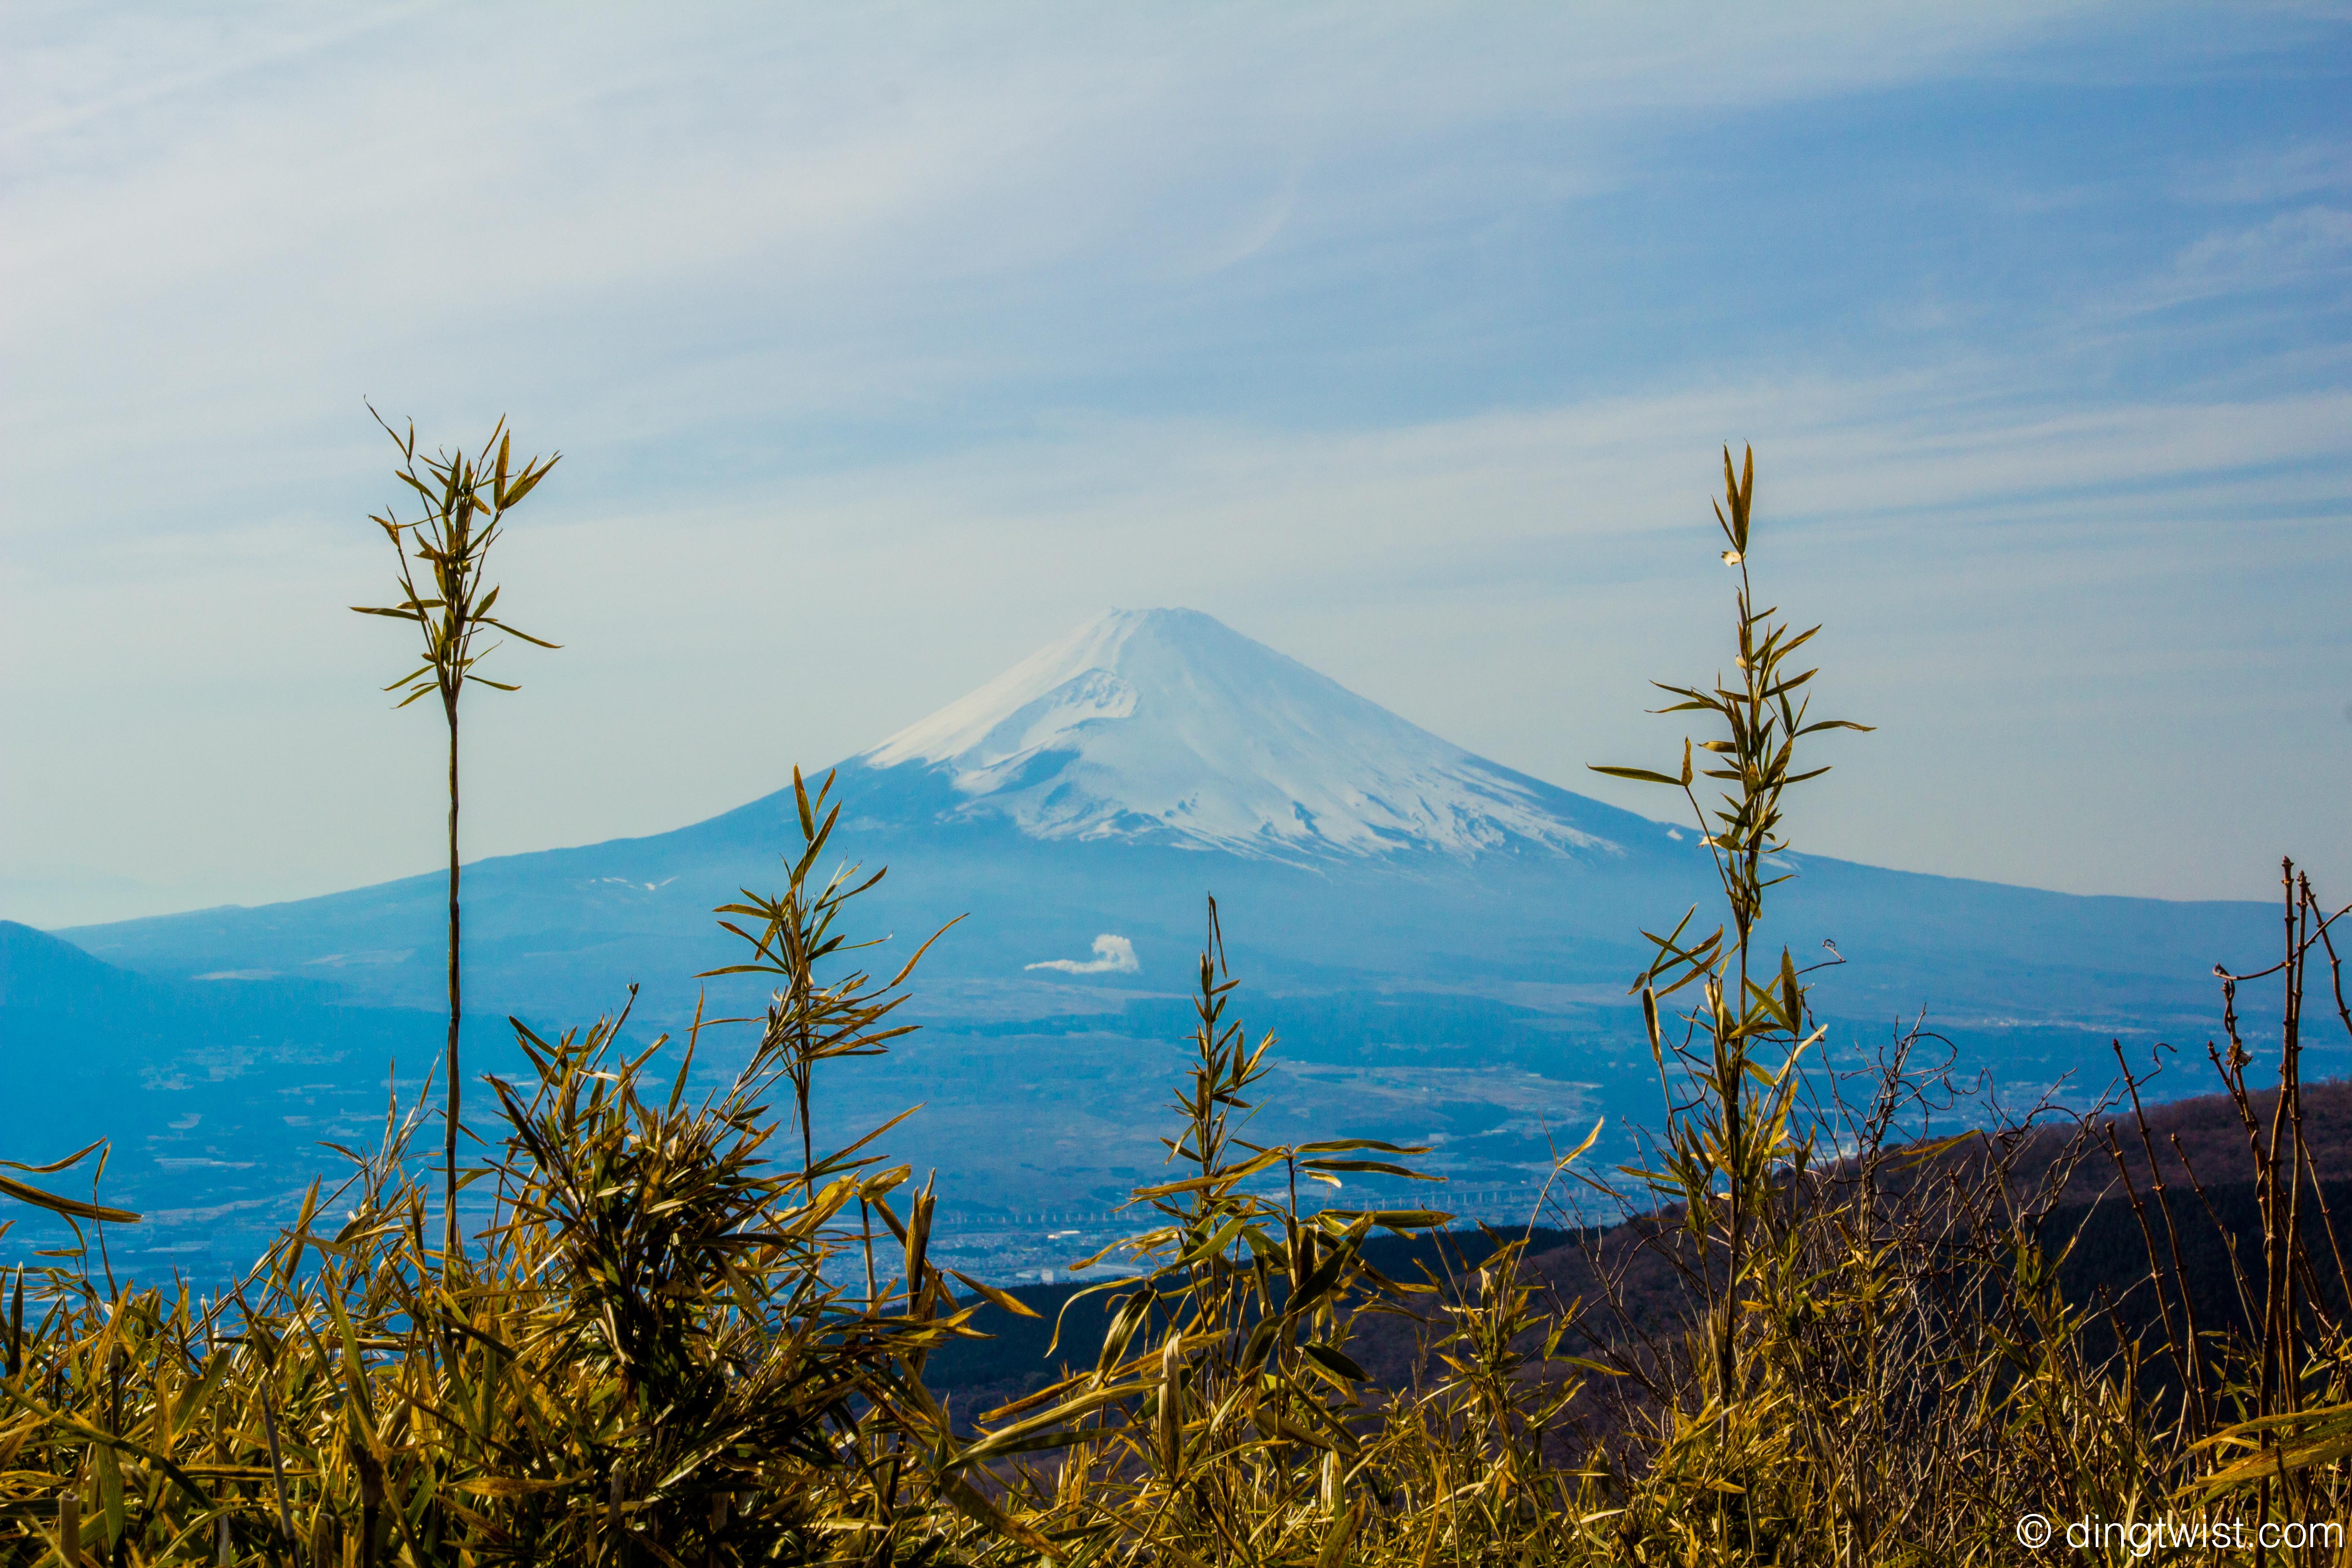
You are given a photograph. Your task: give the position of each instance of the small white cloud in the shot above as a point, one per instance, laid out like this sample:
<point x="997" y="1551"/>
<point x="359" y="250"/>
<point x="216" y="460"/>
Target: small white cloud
<point x="1113" y="955"/>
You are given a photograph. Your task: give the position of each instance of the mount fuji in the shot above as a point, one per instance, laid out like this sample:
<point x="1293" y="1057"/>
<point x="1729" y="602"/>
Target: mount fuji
<point x="1102" y="785"/>
<point x="1165" y="726"/>
<point x="1444" y="943"/>
<point x="1107" y="782"/>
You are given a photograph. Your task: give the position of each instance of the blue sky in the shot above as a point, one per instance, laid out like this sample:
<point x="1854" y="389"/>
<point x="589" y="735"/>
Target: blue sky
<point x="887" y="344"/>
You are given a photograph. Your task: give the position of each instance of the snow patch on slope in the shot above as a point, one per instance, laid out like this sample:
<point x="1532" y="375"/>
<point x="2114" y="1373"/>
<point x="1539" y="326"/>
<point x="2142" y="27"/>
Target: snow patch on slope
<point x="1167" y="725"/>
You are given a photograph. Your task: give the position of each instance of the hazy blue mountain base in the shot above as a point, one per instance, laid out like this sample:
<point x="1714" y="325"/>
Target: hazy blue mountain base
<point x="222" y="1092"/>
<point x="1462" y="984"/>
<point x="214" y="1096"/>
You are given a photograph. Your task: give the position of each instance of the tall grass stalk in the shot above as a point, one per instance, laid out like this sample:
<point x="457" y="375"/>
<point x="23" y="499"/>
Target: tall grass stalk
<point x="464" y="500"/>
<point x="1719" y="1157"/>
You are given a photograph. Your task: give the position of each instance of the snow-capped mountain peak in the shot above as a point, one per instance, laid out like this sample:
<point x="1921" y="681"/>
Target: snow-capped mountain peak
<point x="1168" y="725"/>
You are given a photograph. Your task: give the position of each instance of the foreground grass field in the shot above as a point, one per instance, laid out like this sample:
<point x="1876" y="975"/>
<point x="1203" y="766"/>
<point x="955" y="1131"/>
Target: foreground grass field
<point x="685" y="1334"/>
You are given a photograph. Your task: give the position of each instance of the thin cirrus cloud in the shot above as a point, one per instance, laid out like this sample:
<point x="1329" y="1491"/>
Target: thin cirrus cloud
<point x="1402" y="339"/>
<point x="2311" y="242"/>
<point x="1113" y="955"/>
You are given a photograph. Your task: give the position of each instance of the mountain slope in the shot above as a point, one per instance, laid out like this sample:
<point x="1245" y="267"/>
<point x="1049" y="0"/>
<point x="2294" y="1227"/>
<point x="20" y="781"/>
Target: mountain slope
<point x="1168" y="726"/>
<point x="213" y="1094"/>
<point x="1103" y="785"/>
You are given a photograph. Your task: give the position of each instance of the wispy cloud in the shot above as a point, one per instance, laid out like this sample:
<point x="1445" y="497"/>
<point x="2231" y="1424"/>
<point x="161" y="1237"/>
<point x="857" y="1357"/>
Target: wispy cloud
<point x="2272" y="173"/>
<point x="654" y="224"/>
<point x="2294" y="248"/>
<point x="1113" y="955"/>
